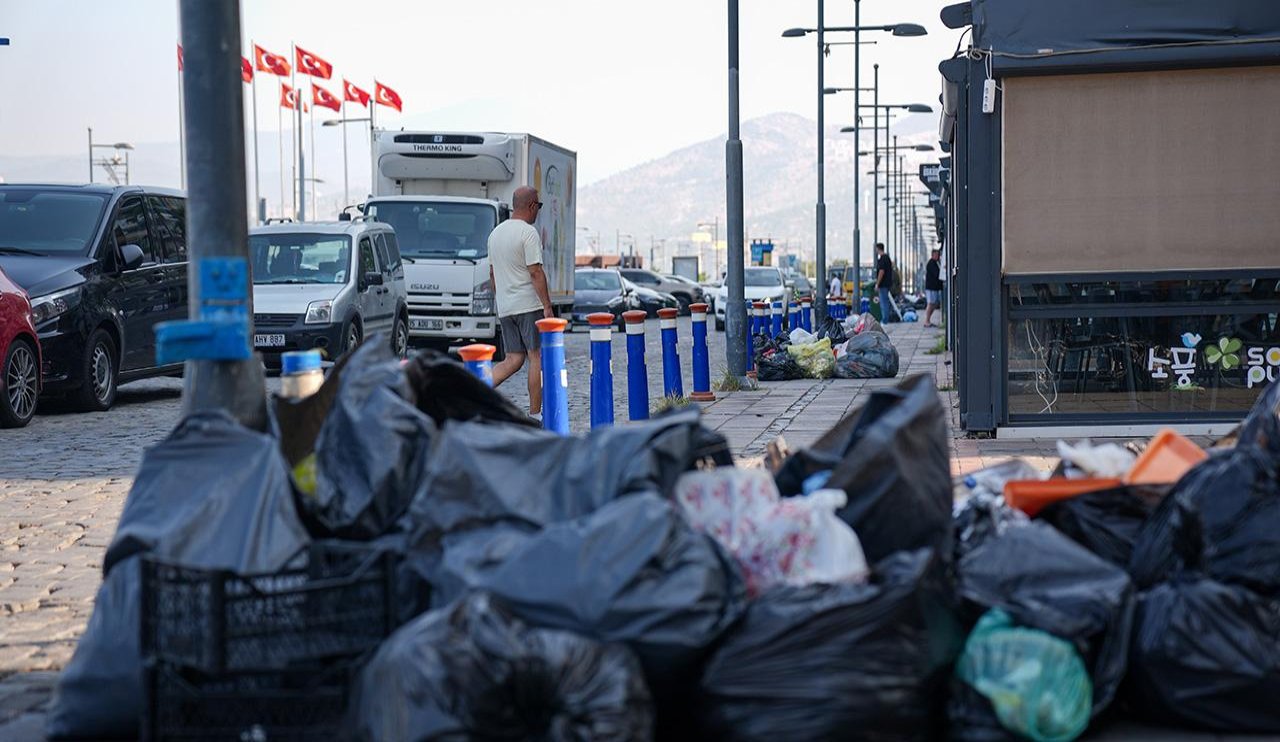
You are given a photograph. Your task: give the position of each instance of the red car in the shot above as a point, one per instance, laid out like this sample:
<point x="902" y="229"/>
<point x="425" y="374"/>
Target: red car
<point x="20" y="351"/>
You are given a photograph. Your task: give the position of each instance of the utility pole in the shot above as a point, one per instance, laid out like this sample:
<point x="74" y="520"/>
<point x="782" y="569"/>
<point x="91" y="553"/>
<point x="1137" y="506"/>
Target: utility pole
<point x="820" y="301"/>
<point x="735" y="315"/>
<point x="857" y="143"/>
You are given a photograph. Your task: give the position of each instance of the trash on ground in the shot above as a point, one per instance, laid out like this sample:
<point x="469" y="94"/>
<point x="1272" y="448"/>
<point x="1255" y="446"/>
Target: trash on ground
<point x="1104" y="461"/>
<point x="1033" y="495"/>
<point x="1167" y="458"/>
<point x="1106" y="522"/>
<point x="868" y="355"/>
<point x="815" y="358"/>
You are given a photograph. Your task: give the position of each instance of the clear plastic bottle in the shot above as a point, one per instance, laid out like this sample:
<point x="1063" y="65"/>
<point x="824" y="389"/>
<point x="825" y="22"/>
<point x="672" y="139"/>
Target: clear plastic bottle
<point x="300" y="374"/>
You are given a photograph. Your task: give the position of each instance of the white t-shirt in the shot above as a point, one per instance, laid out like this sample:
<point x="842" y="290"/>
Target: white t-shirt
<point x="836" y="287"/>
<point x="514" y="245"/>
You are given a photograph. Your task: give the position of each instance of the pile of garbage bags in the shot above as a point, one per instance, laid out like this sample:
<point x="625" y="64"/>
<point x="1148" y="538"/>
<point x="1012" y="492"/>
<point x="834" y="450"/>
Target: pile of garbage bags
<point x="857" y="348"/>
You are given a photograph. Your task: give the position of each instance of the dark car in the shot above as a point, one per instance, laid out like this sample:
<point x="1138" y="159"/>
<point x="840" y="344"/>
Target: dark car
<point x="651" y="301"/>
<point x="684" y="293"/>
<point x="598" y="290"/>
<point x="102" y="265"/>
<point x="19" y="356"/>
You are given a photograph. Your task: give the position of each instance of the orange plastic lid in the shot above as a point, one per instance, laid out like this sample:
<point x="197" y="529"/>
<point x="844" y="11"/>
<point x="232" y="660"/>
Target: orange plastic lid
<point x="1032" y="495"/>
<point x="600" y="318"/>
<point x="699" y="307"/>
<point x="477" y="352"/>
<point x="1167" y="458"/>
<point x="668" y="313"/>
<point x="634" y="316"/>
<point x="551" y="324"/>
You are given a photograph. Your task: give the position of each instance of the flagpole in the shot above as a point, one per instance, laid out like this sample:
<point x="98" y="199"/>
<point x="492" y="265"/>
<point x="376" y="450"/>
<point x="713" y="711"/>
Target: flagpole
<point x="373" y="157"/>
<point x="257" y="183"/>
<point x="280" y="146"/>
<point x="342" y="113"/>
<point x="182" y="140"/>
<point x="312" y="115"/>
<point x="300" y="159"/>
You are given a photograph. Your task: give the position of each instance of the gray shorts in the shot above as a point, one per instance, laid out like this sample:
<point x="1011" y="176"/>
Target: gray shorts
<point x="933" y="297"/>
<point x="520" y="333"/>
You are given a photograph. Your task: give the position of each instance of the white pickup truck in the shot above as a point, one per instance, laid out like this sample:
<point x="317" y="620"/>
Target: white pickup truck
<point x="443" y="192"/>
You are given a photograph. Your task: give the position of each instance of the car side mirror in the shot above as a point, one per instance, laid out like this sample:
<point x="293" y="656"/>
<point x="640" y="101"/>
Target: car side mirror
<point x="131" y="256"/>
<point x="373" y="279"/>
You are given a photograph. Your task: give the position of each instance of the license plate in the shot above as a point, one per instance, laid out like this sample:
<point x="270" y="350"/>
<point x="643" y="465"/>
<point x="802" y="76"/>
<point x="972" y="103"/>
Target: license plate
<point x="268" y="341"/>
<point x="426" y="324"/>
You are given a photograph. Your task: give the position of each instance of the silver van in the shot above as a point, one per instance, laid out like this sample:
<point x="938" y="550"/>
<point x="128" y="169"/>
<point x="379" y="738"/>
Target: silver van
<point x="326" y="285"/>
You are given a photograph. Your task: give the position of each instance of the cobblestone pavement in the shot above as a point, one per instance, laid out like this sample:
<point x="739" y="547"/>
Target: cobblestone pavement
<point x="64" y="478"/>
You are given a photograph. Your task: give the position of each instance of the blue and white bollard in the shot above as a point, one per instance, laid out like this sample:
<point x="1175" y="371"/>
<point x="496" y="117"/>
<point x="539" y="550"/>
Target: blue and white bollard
<point x="701" y="359"/>
<point x="806" y="314"/>
<point x="672" y="384"/>
<point x="478" y="359"/>
<point x="555" y="377"/>
<point x="864" y="306"/>
<point x="601" y="368"/>
<point x="793" y="315"/>
<point x="637" y="375"/>
<point x="777" y="320"/>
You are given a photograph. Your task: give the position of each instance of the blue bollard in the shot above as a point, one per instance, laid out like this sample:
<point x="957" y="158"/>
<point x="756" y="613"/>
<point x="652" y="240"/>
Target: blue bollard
<point x="793" y="316"/>
<point x="555" y="377"/>
<point x="776" y="328"/>
<point x="637" y="376"/>
<point x="701" y="359"/>
<point x="478" y="359"/>
<point x="864" y="306"/>
<point x="806" y="314"/>
<point x="601" y="368"/>
<point x="672" y="384"/>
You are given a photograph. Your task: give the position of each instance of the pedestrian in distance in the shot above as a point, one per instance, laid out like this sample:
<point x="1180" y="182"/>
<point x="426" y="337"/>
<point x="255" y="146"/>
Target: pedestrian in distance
<point x="836" y="289"/>
<point x="884" y="283"/>
<point x="520" y="292"/>
<point x="932" y="286"/>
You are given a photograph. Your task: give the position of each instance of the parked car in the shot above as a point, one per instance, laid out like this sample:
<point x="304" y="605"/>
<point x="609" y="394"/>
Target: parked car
<point x="101" y="265"/>
<point x="759" y="284"/>
<point x="600" y="290"/>
<point x="326" y="285"/>
<point x="19" y="356"/>
<point x="651" y="301"/>
<point x="684" y="293"/>
<point x="802" y="287"/>
<point x="699" y="293"/>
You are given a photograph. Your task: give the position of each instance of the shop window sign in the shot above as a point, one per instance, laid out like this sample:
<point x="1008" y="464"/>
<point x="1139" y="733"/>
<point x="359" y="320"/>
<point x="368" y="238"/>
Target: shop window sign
<point x="1257" y="365"/>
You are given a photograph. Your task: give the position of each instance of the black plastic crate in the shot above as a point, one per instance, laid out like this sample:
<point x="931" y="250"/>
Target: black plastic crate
<point x="247" y="706"/>
<point x="341" y="603"/>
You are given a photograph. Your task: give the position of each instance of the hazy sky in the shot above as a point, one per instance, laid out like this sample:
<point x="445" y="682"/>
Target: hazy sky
<point x="621" y="83"/>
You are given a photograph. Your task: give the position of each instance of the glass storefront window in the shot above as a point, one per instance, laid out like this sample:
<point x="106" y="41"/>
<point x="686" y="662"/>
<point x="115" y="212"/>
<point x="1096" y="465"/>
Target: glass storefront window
<point x="1060" y="292"/>
<point x="1101" y="364"/>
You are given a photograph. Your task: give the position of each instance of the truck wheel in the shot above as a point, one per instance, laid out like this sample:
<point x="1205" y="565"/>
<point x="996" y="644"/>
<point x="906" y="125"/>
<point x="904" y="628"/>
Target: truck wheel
<point x="100" y="371"/>
<point x="351" y="336"/>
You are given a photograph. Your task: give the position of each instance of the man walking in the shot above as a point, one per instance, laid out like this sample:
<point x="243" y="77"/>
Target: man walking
<point x="520" y="292"/>
<point x="932" y="286"/>
<point x="884" y="282"/>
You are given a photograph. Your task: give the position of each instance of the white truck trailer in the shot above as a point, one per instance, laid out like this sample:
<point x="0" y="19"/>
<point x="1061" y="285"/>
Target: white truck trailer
<point x="443" y="192"/>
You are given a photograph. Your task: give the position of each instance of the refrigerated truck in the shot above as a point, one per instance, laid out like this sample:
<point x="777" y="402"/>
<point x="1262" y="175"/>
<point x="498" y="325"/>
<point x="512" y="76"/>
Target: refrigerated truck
<point x="443" y="192"/>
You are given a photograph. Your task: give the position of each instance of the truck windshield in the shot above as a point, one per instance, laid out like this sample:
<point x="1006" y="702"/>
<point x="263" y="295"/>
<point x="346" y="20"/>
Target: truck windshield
<point x="440" y="229"/>
<point x="48" y="222"/>
<point x="298" y="257"/>
<point x="596" y="281"/>
<point x="762" y="277"/>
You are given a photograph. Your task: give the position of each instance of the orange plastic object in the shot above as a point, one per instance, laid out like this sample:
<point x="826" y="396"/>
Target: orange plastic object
<point x="1167" y="458"/>
<point x="552" y="324"/>
<point x="600" y="319"/>
<point x="477" y="352"/>
<point x="668" y="313"/>
<point x="1032" y="495"/>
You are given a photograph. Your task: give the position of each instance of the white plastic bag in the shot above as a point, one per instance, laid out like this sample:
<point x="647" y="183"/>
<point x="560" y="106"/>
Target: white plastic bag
<point x="801" y="336"/>
<point x="1107" y="460"/>
<point x="775" y="540"/>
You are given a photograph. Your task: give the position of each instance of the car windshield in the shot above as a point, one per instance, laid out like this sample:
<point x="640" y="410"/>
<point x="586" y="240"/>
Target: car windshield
<point x="437" y="229"/>
<point x="762" y="277"/>
<point x="299" y="257"/>
<point x="596" y="281"/>
<point x="48" y="222"/>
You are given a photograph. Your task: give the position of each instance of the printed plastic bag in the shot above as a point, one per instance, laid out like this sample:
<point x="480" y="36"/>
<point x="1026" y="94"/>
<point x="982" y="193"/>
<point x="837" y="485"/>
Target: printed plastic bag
<point x="1207" y="654"/>
<point x="1223" y="516"/>
<point x="1036" y="683"/>
<point x="892" y="459"/>
<point x="1046" y="581"/>
<point x="861" y="323"/>
<point x="796" y="541"/>
<point x="827" y="662"/>
<point x="869" y="355"/>
<point x="475" y="671"/>
<point x="816" y="358"/>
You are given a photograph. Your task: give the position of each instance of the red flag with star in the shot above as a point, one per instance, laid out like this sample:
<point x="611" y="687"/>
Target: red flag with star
<point x="352" y="94"/>
<point x="385" y="96"/>
<point x="179" y="57"/>
<point x="272" y="64"/>
<point x="310" y="64"/>
<point x="246" y="70"/>
<point x="288" y="97"/>
<point x="324" y="99"/>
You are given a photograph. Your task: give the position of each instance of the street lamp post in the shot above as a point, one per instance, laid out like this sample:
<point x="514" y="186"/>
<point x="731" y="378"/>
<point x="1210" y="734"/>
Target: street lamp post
<point x="108" y="164"/>
<point x="346" y="195"/>
<point x="735" y="315"/>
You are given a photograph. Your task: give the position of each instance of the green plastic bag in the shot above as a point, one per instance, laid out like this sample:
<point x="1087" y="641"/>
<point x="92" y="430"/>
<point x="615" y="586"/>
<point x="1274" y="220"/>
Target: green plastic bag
<point x="1037" y="683"/>
<point x="815" y="358"/>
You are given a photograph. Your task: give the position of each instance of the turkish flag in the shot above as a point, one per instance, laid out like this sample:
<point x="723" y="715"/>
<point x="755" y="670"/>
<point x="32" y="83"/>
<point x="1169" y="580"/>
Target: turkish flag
<point x="324" y="99"/>
<point x="270" y="63"/>
<point x="386" y="96"/>
<point x="353" y="94"/>
<point x="246" y="70"/>
<point x="179" y="57"/>
<point x="310" y="64"/>
<point x="288" y="97"/>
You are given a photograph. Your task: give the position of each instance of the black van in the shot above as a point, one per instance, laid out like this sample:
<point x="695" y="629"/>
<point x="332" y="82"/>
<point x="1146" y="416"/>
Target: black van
<point x="102" y="264"/>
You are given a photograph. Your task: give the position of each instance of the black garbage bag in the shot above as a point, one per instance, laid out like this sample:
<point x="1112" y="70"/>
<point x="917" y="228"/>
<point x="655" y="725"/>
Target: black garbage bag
<point x="831" y="328"/>
<point x="371" y="454"/>
<point x="972" y="718"/>
<point x="891" y="458"/>
<point x="446" y="390"/>
<point x="825" y="662"/>
<point x="778" y="366"/>
<point x="1224" y="514"/>
<point x="475" y="671"/>
<point x="213" y="494"/>
<point x="1046" y="581"/>
<point x="633" y="572"/>
<point x="482" y="473"/>
<point x="1206" y="654"/>
<point x="1105" y="522"/>
<point x="868" y="355"/>
<point x="981" y="517"/>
